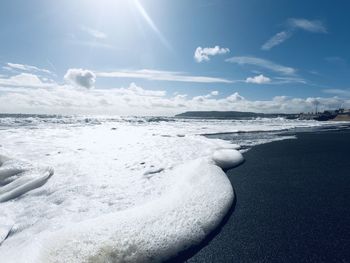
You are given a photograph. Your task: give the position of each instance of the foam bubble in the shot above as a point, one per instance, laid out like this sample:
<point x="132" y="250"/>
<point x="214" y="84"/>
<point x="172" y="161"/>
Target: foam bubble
<point x="233" y="146"/>
<point x="227" y="158"/>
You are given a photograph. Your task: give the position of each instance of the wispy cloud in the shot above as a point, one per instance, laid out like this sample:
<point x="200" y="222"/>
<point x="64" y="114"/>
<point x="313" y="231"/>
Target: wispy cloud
<point x="338" y="92"/>
<point x="94" y="32"/>
<point x="263" y="63"/>
<point x="202" y="54"/>
<point x="23" y="67"/>
<point x="292" y="25"/>
<point x="277" y="39"/>
<point x="335" y="60"/>
<point x="314" y="26"/>
<point x="90" y="43"/>
<point x="259" y="79"/>
<point x="287" y="80"/>
<point x="161" y="75"/>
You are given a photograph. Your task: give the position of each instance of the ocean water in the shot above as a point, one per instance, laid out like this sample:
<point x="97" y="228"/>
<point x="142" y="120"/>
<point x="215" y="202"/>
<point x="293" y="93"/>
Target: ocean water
<point x="119" y="189"/>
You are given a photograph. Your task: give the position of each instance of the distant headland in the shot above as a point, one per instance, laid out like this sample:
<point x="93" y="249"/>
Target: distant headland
<point x="336" y="115"/>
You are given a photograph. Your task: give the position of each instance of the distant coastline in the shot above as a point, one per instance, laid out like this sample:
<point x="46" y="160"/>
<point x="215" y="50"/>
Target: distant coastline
<point x="233" y="115"/>
<point x="337" y="115"/>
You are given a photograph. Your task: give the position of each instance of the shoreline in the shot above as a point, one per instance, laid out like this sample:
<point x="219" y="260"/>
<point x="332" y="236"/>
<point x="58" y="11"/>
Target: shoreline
<point x="291" y="205"/>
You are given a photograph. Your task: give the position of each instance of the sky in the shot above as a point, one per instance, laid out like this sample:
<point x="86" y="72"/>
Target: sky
<point x="163" y="57"/>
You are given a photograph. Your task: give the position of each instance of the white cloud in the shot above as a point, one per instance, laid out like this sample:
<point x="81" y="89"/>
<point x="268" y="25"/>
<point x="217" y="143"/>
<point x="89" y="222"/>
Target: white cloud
<point x="313" y="101"/>
<point x="161" y="75"/>
<point x="338" y="92"/>
<point x="259" y="79"/>
<point x="202" y="54"/>
<point x="135" y="100"/>
<point x="80" y="78"/>
<point x="29" y="93"/>
<point x="276" y="40"/>
<point x="337" y="61"/>
<point x="294" y="24"/>
<point x="91" y="44"/>
<point x="24" y="80"/>
<point x="210" y="95"/>
<point x="133" y="89"/>
<point x="94" y="32"/>
<point x="23" y="67"/>
<point x="287" y="80"/>
<point x="263" y="63"/>
<point x="235" y="97"/>
<point x="314" y="26"/>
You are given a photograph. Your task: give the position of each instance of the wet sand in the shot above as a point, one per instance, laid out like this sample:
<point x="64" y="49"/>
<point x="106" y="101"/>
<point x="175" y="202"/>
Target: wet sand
<point x="292" y="204"/>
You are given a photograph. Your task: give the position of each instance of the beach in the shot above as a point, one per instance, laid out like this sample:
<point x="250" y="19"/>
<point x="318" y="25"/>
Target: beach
<point x="292" y="204"/>
<point x="147" y="189"/>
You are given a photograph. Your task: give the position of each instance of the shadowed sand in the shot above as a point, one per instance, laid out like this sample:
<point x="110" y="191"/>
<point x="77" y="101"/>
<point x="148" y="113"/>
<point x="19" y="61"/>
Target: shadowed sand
<point x="292" y="204"/>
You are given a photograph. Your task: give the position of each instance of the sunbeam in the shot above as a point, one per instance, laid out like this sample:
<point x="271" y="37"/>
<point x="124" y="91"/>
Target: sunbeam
<point x="150" y="22"/>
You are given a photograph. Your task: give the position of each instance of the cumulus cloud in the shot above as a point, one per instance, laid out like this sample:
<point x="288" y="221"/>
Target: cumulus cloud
<point x="207" y="96"/>
<point x="24" y="80"/>
<point x="262" y="63"/>
<point x="292" y="25"/>
<point x="133" y="89"/>
<point x="203" y="54"/>
<point x="80" y="78"/>
<point x="29" y="93"/>
<point x="162" y="75"/>
<point x="259" y="79"/>
<point x="136" y="100"/>
<point x="235" y="97"/>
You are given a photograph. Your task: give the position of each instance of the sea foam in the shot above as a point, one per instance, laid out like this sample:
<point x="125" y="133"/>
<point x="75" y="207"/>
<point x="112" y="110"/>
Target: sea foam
<point x="153" y="232"/>
<point x="18" y="177"/>
<point x="124" y="190"/>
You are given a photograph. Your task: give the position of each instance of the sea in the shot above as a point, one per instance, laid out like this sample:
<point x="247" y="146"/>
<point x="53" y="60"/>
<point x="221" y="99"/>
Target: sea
<point x="120" y="189"/>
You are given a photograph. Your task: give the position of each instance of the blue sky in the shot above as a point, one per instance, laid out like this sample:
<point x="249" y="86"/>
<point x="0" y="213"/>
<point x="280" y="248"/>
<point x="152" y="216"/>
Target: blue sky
<point x="190" y="54"/>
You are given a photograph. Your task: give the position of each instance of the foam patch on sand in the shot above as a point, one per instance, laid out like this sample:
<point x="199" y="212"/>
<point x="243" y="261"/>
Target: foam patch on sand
<point x="181" y="217"/>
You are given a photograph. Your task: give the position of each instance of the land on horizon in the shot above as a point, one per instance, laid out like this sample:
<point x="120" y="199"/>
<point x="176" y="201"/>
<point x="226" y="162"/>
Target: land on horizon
<point x="338" y="115"/>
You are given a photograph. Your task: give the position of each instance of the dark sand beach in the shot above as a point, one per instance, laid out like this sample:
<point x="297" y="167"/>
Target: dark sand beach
<point x="292" y="204"/>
